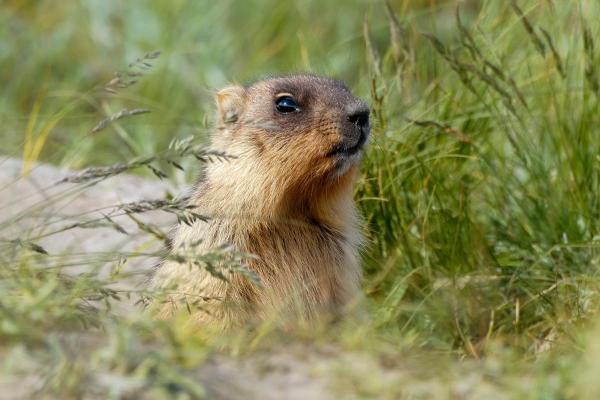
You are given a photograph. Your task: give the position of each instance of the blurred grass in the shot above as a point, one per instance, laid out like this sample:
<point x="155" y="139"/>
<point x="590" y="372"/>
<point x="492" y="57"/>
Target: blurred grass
<point x="53" y="56"/>
<point x="480" y="190"/>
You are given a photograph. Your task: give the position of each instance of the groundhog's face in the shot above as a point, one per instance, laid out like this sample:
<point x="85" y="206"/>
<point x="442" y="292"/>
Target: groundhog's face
<point x="295" y="124"/>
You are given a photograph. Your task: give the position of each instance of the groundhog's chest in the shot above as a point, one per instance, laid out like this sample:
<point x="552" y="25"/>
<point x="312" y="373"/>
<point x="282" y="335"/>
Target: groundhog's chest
<point x="291" y="257"/>
<point x="296" y="262"/>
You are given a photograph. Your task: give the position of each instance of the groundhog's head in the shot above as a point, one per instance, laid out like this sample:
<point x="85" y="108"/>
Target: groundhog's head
<point x="310" y="124"/>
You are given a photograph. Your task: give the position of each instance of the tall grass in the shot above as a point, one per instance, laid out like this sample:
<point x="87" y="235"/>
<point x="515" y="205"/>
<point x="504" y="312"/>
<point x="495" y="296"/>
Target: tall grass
<point x="480" y="190"/>
<point x="484" y="196"/>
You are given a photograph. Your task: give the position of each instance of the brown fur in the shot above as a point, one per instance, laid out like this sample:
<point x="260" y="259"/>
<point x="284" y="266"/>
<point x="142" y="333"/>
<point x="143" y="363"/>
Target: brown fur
<point x="284" y="198"/>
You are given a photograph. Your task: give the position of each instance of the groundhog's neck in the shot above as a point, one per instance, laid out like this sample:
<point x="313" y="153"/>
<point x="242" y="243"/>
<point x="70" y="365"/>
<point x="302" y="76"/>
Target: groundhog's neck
<point x="237" y="190"/>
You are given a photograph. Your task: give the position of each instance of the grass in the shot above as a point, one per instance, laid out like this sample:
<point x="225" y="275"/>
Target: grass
<point x="480" y="191"/>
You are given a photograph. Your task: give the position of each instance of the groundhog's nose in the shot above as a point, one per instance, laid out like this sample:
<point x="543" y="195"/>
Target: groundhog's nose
<point x="359" y="116"/>
<point x="355" y="130"/>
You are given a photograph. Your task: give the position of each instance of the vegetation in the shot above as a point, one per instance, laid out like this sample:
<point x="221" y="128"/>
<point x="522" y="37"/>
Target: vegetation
<point x="480" y="190"/>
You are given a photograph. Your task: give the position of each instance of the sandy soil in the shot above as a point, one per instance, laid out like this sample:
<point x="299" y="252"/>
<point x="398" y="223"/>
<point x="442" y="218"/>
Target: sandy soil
<point x="299" y="371"/>
<point x="33" y="205"/>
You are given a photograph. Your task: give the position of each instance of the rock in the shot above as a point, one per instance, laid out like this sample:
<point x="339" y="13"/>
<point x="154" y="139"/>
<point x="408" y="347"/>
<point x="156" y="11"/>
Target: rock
<point x="32" y="207"/>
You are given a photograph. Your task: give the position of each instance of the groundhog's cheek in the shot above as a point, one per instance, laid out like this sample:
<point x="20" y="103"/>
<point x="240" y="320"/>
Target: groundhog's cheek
<point x="324" y="140"/>
<point x="306" y="153"/>
<point x="315" y="151"/>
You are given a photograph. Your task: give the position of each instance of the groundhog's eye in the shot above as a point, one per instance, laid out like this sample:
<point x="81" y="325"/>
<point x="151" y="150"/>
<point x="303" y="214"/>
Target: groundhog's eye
<point x="286" y="104"/>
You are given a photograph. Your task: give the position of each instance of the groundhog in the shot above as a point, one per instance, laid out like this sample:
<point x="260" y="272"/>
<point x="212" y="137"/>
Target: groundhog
<point x="283" y="197"/>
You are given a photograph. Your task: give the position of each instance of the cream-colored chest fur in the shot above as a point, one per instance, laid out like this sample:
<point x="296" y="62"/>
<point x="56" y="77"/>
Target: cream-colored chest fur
<point x="301" y="266"/>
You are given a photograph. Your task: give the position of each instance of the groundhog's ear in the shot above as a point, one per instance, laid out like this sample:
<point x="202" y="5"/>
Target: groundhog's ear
<point x="230" y="102"/>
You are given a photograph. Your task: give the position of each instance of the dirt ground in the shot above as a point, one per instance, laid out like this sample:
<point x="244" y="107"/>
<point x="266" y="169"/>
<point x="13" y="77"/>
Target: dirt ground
<point x="302" y="371"/>
<point x="289" y="375"/>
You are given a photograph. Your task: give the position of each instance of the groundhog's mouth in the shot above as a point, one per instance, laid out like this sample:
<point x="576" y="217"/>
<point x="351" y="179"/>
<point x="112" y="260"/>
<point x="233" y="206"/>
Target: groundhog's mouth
<point x="346" y="149"/>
